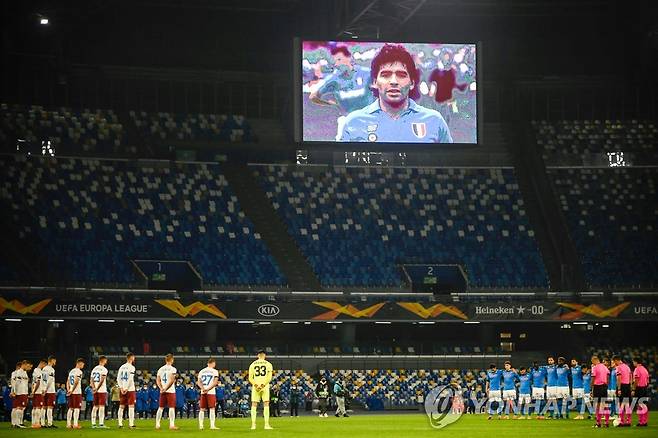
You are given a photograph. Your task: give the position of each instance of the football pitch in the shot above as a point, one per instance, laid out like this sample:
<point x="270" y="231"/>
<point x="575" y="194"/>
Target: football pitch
<point x="357" y="426"/>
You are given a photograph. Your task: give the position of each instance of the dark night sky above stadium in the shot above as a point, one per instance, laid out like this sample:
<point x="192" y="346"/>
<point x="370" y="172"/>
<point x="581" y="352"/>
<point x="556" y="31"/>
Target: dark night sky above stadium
<point x="539" y="37"/>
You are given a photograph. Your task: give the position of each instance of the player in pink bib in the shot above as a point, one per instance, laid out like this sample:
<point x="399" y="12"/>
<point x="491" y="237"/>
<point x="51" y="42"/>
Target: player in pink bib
<point x="624" y="377"/>
<point x="600" y="375"/>
<point x="640" y="392"/>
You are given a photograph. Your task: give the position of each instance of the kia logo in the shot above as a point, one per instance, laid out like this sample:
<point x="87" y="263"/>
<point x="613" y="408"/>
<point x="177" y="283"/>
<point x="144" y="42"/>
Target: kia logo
<point x="268" y="310"/>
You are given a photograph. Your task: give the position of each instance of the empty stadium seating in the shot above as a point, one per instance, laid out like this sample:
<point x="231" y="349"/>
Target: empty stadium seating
<point x="612" y="218"/>
<point x="105" y="131"/>
<point x="7" y="272"/>
<point x="579" y="138"/>
<point x="205" y="127"/>
<point x="308" y="349"/>
<point x="85" y="130"/>
<point x="96" y="215"/>
<point x="356" y="225"/>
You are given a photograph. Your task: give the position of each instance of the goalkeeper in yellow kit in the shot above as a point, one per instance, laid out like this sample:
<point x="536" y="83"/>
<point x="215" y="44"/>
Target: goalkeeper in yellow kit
<point x="260" y="375"/>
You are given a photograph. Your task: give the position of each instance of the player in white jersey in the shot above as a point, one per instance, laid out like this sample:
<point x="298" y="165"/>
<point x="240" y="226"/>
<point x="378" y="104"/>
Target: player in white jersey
<point x="19" y="393"/>
<point x="165" y="380"/>
<point x="38" y="390"/>
<point x="260" y="376"/>
<point x="98" y="383"/>
<point x="126" y="382"/>
<point x="74" y="392"/>
<point x="207" y="380"/>
<point x="50" y="391"/>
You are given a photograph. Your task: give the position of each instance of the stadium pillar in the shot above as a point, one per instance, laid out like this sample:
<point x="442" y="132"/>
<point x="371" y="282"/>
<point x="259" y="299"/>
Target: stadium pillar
<point x="347" y="333"/>
<point x="51" y="334"/>
<point x="210" y="333"/>
<point x="488" y="334"/>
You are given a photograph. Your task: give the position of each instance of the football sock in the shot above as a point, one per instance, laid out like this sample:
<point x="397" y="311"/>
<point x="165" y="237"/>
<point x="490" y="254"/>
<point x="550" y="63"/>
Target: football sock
<point x="35" y="416"/>
<point x="158" y="417"/>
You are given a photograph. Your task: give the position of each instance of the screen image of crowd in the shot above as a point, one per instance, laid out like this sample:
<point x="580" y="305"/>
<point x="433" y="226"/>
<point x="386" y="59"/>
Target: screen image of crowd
<point x="435" y="97"/>
<point x="548" y="388"/>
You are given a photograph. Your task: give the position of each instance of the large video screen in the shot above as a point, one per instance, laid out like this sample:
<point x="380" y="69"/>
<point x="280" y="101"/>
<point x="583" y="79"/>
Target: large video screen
<point x="355" y="91"/>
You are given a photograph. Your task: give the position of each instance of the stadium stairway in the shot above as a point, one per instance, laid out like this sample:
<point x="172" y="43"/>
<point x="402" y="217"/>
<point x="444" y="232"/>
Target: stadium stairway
<point x="29" y="265"/>
<point x="273" y="231"/>
<point x="557" y="247"/>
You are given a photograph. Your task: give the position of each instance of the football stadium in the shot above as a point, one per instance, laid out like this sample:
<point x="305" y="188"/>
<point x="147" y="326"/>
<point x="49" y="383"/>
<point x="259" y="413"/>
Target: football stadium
<point x="366" y="218"/>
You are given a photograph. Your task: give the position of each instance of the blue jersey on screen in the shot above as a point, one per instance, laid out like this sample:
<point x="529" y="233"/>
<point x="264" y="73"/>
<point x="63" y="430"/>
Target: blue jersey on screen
<point x="350" y="89"/>
<point x="539" y="377"/>
<point x="524" y="384"/>
<point x="416" y="124"/>
<point x="587" y="382"/>
<point x="494" y="379"/>
<point x="612" y="383"/>
<point x="577" y="376"/>
<point x="562" y="375"/>
<point x="509" y="380"/>
<point x="308" y="75"/>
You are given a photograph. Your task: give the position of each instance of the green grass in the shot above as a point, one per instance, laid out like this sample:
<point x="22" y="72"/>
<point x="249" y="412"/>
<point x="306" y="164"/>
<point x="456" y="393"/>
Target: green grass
<point x="379" y="426"/>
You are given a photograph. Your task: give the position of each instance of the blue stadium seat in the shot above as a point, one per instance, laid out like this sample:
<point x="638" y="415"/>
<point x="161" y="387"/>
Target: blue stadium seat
<point x="93" y="216"/>
<point x="83" y="130"/>
<point x="104" y="131"/>
<point x="609" y="211"/>
<point x="357" y="225"/>
<point x="579" y="138"/>
<point x="203" y="127"/>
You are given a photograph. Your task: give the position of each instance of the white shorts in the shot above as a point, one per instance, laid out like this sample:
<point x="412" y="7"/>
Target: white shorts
<point x="578" y="392"/>
<point x="525" y="398"/>
<point x="509" y="394"/>
<point x="551" y="392"/>
<point x="538" y="393"/>
<point x="611" y="394"/>
<point x="587" y="398"/>
<point x="494" y="396"/>
<point x="563" y="392"/>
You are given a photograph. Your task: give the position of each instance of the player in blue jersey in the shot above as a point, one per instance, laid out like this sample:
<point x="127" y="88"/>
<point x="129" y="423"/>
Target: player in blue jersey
<point x="347" y="88"/>
<point x="612" y="388"/>
<point x="587" y="393"/>
<point x="538" y="391"/>
<point x="395" y="116"/>
<point x="577" y="391"/>
<point x="551" y="388"/>
<point x="525" y="397"/>
<point x="494" y="377"/>
<point x="563" y="394"/>
<point x="510" y="376"/>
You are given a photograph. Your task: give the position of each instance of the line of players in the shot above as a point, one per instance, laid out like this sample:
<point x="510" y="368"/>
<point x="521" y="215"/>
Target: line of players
<point x="43" y="392"/>
<point x="603" y="389"/>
